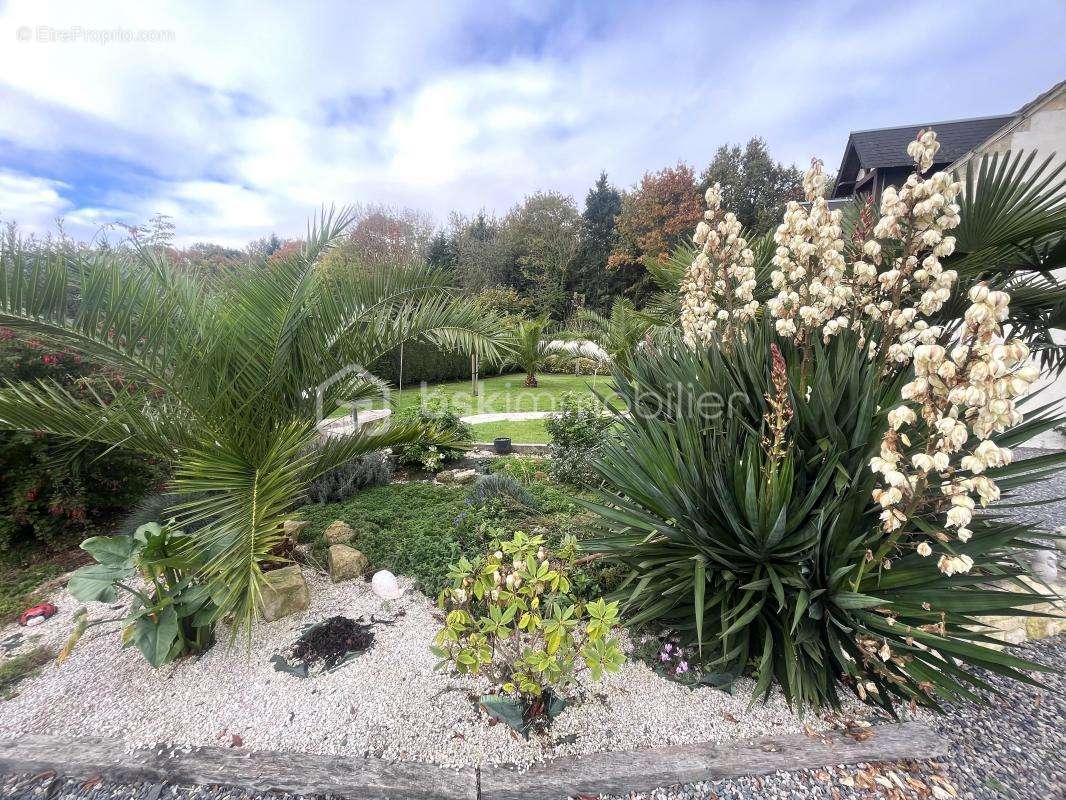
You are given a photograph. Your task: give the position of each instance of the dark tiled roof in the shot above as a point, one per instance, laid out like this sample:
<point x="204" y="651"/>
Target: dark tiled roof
<point x="887" y="147"/>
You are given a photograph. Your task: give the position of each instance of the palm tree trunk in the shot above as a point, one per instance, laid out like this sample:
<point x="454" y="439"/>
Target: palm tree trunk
<point x="531" y="381"/>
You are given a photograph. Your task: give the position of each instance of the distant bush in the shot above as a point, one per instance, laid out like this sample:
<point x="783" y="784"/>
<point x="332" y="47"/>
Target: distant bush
<point x="577" y="431"/>
<point x="440" y="413"/>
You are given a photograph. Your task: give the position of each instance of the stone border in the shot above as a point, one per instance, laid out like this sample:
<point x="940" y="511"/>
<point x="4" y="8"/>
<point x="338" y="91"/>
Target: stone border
<point x="366" y="778"/>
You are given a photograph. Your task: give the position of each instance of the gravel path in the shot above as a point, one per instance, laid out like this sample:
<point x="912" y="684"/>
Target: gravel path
<point x="1013" y="749"/>
<point x="389" y="702"/>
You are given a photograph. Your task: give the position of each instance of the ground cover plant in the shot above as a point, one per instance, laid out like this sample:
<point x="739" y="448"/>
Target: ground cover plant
<point x="227" y="375"/>
<point x="800" y="488"/>
<point x="20" y="667"/>
<point x="419" y="529"/>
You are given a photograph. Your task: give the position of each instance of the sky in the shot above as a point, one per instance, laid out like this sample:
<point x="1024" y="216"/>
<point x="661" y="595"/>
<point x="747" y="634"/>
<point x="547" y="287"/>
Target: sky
<point x="242" y="119"/>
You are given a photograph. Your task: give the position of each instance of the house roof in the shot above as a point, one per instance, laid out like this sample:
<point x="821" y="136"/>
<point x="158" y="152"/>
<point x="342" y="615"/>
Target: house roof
<point x="883" y="148"/>
<point x="887" y="147"/>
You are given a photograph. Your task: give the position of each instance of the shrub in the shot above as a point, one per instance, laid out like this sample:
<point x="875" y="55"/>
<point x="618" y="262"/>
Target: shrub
<point x="438" y="413"/>
<point x="337" y="485"/>
<point x="171" y="615"/>
<point x="576" y="431"/>
<point x="50" y="488"/>
<point x="499" y="486"/>
<point x="796" y="491"/>
<point x="511" y="617"/>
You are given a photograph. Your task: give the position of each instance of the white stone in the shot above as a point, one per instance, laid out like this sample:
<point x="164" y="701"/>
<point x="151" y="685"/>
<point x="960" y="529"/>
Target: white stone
<point x="385" y="586"/>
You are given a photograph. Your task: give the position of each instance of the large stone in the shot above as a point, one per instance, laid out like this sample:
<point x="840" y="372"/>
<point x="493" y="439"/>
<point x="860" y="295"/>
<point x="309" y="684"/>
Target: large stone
<point x="292" y="528"/>
<point x="457" y="476"/>
<point x="338" y="532"/>
<point x="346" y="562"/>
<point x="285" y="593"/>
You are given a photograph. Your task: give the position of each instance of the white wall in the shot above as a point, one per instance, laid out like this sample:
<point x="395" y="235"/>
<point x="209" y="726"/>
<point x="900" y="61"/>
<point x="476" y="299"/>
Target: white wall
<point x="1044" y="130"/>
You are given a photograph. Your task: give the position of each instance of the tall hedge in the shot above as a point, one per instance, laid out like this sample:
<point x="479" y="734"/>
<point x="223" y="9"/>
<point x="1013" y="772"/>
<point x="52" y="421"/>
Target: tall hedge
<point x="422" y="361"/>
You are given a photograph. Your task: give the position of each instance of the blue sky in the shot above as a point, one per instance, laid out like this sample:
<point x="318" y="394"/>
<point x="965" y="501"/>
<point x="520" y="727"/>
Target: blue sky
<point x="253" y="114"/>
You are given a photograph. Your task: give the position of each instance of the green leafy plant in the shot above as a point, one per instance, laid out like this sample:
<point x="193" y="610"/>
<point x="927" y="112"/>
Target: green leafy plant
<point x="576" y="430"/>
<point x="511" y="617"/>
<point x="171" y="614"/>
<point x="228" y="377"/>
<point x="439" y="414"/>
<point x="770" y="566"/>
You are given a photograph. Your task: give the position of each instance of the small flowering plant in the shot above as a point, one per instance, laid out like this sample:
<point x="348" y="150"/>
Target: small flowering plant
<point x="511" y="618"/>
<point x="819" y="522"/>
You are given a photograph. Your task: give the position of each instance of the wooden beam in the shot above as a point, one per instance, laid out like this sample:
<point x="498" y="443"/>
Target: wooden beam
<point x="644" y="770"/>
<point x="369" y="778"/>
<point x="257" y="770"/>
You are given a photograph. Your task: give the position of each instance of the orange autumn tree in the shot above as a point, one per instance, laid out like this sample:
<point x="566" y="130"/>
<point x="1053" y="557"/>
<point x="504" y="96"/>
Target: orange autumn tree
<point x="661" y="209"/>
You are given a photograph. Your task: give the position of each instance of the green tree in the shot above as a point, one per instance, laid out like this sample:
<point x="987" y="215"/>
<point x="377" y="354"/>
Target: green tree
<point x="543" y="231"/>
<point x="227" y="380"/>
<point x="589" y="277"/>
<point x="754" y="186"/>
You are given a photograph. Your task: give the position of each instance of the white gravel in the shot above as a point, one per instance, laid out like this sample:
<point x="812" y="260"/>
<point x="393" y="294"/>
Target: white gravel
<point x="388" y="702"/>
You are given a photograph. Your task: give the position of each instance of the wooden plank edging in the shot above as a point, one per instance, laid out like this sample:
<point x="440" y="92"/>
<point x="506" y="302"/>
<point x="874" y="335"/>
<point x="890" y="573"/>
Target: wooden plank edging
<point x="644" y="770"/>
<point x="377" y="779"/>
<point x="258" y="770"/>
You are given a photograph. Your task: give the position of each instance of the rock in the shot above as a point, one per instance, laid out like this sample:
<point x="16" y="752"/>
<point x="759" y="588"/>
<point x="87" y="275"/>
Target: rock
<point x="302" y="553"/>
<point x="338" y="532"/>
<point x="292" y="528"/>
<point x="346" y="562"/>
<point x="285" y="593"/>
<point x="457" y="476"/>
<point x="385" y="586"/>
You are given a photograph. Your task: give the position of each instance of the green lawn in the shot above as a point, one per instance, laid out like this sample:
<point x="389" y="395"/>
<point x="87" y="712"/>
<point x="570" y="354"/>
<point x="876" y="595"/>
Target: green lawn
<point x="501" y="393"/>
<point x="521" y="431"/>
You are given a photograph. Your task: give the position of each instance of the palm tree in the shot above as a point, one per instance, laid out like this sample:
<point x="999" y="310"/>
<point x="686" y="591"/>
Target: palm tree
<point x="618" y="335"/>
<point x="531" y="348"/>
<point x="231" y="374"/>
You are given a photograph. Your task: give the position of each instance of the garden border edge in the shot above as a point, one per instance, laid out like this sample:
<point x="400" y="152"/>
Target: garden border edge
<point x="618" y="772"/>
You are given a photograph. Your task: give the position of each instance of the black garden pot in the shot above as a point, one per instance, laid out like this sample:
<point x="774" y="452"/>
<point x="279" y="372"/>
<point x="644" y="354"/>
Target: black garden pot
<point x="502" y="444"/>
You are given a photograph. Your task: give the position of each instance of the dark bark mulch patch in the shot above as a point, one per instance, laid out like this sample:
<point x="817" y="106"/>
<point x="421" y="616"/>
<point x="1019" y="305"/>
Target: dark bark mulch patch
<point x="332" y="641"/>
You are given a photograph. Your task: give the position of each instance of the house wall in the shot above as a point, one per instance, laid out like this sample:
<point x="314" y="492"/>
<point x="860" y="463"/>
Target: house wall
<point x="1042" y="129"/>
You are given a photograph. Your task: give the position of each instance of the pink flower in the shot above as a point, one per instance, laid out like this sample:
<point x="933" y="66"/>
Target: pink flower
<point x="682" y="667"/>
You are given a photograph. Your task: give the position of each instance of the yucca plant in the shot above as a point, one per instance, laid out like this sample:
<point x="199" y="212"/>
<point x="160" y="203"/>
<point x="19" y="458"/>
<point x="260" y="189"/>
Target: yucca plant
<point x="800" y="489"/>
<point x="227" y="380"/>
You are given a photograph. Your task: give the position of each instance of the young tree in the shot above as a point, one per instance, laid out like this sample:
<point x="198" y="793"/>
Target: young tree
<point x="441" y="253"/>
<point x="589" y="278"/>
<point x="543" y="231"/>
<point x="656" y="214"/>
<point x="754" y="186"/>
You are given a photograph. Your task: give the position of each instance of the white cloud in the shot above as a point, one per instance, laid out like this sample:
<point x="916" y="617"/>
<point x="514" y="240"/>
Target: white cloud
<point x="254" y="115"/>
<point x="33" y="202"/>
